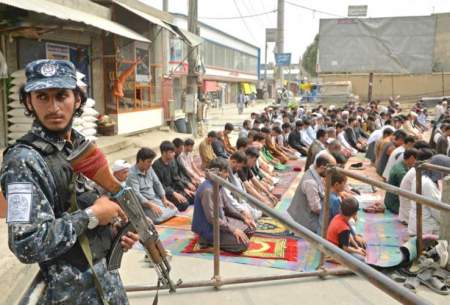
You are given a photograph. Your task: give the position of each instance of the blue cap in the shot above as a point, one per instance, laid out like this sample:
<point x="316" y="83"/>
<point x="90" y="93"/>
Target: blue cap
<point x="49" y="73"/>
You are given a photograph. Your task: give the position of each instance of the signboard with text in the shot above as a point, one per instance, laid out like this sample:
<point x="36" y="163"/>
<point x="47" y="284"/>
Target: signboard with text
<point x="271" y="35"/>
<point x="357" y="11"/>
<point x="282" y="59"/>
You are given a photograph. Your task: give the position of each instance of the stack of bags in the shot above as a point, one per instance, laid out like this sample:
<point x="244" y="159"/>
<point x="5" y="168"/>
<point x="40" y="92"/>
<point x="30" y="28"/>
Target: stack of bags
<point x="18" y="122"/>
<point x="87" y="123"/>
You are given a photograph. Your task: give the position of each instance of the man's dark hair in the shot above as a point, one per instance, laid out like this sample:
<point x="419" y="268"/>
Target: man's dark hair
<point x="425" y="154"/>
<point x="178" y="142"/>
<point x="218" y="163"/>
<point x="322" y="161"/>
<point x="349" y="206"/>
<point x="212" y="134"/>
<point x="351" y="119"/>
<point x="277" y="129"/>
<point x="387" y="132"/>
<point x="299" y="123"/>
<point x="246" y="123"/>
<point x="410" y="153"/>
<point x="341" y="160"/>
<point x="78" y="92"/>
<point x="320" y="133"/>
<point x="239" y="157"/>
<point x="229" y="127"/>
<point x="285" y="125"/>
<point x="410" y="139"/>
<point x="166" y="146"/>
<point x="265" y="130"/>
<point x="340" y="125"/>
<point x="400" y="134"/>
<point x="252" y="152"/>
<point x="422" y="144"/>
<point x="189" y="142"/>
<point x="337" y="177"/>
<point x="241" y="142"/>
<point x="258" y="137"/>
<point x="145" y="153"/>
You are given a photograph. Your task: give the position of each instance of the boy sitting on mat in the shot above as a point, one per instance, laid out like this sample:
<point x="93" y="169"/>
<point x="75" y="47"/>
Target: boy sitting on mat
<point x="340" y="232"/>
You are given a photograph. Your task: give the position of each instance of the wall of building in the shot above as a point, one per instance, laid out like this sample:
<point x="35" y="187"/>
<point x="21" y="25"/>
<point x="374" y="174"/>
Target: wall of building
<point x="142" y="120"/>
<point x="409" y="87"/>
<point x="441" y="57"/>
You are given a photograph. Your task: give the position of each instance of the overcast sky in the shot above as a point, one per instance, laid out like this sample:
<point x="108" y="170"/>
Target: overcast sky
<point x="301" y="25"/>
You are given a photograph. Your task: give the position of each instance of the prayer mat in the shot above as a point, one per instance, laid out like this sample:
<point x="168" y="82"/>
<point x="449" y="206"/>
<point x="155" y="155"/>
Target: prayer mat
<point x="177" y="240"/>
<point x="273" y="227"/>
<point x="178" y="222"/>
<point x="281" y="187"/>
<point x="259" y="247"/>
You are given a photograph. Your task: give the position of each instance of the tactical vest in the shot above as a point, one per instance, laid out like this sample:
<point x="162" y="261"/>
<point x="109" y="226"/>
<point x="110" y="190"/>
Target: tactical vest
<point x="100" y="239"/>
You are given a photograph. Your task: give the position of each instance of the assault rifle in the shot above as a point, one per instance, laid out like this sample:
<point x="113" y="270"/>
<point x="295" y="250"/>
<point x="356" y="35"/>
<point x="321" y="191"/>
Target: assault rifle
<point x="88" y="160"/>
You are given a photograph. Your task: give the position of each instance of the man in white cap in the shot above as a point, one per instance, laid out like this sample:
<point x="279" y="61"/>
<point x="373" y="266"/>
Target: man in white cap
<point x="120" y="170"/>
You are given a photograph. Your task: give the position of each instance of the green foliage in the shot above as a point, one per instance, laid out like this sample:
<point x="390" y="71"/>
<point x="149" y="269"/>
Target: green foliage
<point x="309" y="58"/>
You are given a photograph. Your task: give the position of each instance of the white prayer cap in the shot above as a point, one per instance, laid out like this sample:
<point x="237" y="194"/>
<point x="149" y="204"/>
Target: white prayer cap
<point x="412" y="113"/>
<point x="120" y="165"/>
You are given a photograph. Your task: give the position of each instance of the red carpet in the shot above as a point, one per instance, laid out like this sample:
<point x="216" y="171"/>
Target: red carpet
<point x="260" y="247"/>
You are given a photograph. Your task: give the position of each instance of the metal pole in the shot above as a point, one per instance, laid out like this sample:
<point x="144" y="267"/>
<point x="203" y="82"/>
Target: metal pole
<point x="378" y="279"/>
<point x="434" y="167"/>
<point x="244" y="280"/>
<point x="192" y="77"/>
<point x="398" y="191"/>
<point x="216" y="230"/>
<point x="419" y="210"/>
<point x="280" y="38"/>
<point x="165" y="41"/>
<point x="265" y="69"/>
<point x="325" y="212"/>
<point x="369" y="94"/>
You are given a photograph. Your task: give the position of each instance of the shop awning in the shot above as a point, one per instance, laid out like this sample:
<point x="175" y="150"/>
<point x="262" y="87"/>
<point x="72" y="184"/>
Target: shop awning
<point x="188" y="37"/>
<point x="146" y="16"/>
<point x="67" y="13"/>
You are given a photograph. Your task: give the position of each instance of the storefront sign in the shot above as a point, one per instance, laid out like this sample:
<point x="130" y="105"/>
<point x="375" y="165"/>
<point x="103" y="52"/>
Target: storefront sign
<point x="57" y="51"/>
<point x="271" y="35"/>
<point x="357" y="11"/>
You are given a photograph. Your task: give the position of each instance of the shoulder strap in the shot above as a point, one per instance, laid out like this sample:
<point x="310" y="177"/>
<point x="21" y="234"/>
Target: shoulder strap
<point x="37" y="143"/>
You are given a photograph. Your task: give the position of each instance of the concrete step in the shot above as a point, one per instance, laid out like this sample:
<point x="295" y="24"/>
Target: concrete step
<point x="128" y="154"/>
<point x="110" y="145"/>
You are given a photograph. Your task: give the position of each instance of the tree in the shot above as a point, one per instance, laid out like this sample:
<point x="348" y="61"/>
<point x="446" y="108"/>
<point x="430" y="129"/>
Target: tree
<point x="309" y="58"/>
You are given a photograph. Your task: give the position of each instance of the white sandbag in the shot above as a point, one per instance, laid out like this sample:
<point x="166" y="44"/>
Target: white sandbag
<point x="88" y="111"/>
<point x="89" y="131"/>
<point x="20" y="120"/>
<point x="15" y="135"/>
<point x="78" y="128"/>
<point x="14" y="96"/>
<point x="18" y="73"/>
<point x="18" y="112"/>
<point x="91" y="138"/>
<point x="16" y="104"/>
<point x="89" y="118"/>
<point x="90" y="103"/>
<point x="19" y="81"/>
<point x="19" y="127"/>
<point x="88" y="125"/>
<point x="14" y="89"/>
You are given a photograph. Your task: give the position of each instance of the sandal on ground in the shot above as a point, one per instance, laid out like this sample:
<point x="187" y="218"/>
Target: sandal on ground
<point x="398" y="277"/>
<point x="432" y="281"/>
<point x="411" y="283"/>
<point x="376" y="207"/>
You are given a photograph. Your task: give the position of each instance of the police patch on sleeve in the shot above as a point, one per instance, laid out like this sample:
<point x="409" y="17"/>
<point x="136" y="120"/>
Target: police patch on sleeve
<point x="19" y="202"/>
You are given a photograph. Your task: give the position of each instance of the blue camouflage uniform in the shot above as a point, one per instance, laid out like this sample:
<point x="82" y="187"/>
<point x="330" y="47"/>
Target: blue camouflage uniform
<point x="37" y="181"/>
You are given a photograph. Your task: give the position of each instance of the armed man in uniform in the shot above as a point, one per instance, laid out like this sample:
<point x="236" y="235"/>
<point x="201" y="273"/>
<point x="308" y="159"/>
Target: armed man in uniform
<point x="54" y="218"/>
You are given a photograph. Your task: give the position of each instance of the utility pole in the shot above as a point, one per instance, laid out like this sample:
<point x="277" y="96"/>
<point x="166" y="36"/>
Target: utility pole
<point x="369" y="93"/>
<point x="280" y="38"/>
<point x="165" y="41"/>
<point x="192" y="88"/>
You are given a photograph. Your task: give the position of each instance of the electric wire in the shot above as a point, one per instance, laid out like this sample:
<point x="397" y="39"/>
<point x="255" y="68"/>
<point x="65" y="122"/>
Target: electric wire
<point x="240" y="16"/>
<point x="243" y="20"/>
<point x="314" y="10"/>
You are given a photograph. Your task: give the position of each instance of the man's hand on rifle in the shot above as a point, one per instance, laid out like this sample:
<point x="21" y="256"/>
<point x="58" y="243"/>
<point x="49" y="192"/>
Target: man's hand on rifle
<point x="180" y="198"/>
<point x="129" y="240"/>
<point x="189" y="192"/>
<point x="107" y="211"/>
<point x="191" y="187"/>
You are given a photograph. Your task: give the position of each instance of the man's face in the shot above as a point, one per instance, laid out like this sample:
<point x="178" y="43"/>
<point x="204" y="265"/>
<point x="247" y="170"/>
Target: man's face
<point x="179" y="150"/>
<point x="251" y="161"/>
<point x="144" y="165"/>
<point x="188" y="148"/>
<point x="410" y="161"/>
<point x="169" y="155"/>
<point x="54" y="108"/>
<point x="121" y="175"/>
<point x="223" y="174"/>
<point x="398" y="142"/>
<point x="236" y="166"/>
<point x="324" y="139"/>
<point x="340" y="186"/>
<point x="210" y="140"/>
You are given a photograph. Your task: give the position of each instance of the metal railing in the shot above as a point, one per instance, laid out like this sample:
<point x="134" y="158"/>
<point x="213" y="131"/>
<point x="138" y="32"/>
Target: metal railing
<point x="378" y="279"/>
